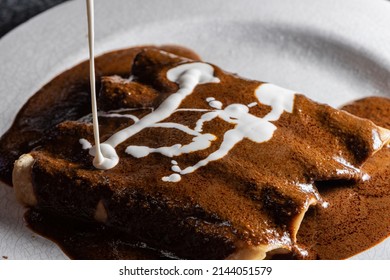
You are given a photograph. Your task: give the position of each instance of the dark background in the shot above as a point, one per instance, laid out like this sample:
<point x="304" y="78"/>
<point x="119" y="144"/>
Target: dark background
<point x="14" y="12"/>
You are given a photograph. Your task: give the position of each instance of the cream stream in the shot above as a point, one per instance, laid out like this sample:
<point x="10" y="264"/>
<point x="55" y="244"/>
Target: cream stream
<point x="101" y="155"/>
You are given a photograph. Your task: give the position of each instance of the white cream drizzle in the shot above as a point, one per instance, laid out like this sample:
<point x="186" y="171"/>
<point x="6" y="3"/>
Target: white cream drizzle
<point x="214" y="103"/>
<point x="172" y="178"/>
<point x="187" y="76"/>
<point x="85" y="144"/>
<point x="246" y="126"/>
<point x="278" y="98"/>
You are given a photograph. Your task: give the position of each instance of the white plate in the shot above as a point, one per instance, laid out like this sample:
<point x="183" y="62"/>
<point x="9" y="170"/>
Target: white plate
<point x="333" y="51"/>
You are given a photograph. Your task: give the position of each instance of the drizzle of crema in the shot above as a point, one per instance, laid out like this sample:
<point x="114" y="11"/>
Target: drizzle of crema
<point x="188" y="76"/>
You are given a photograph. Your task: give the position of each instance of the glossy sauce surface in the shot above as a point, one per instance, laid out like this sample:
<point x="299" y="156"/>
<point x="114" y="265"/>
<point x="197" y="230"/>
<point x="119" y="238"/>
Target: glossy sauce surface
<point x="357" y="218"/>
<point x="323" y="232"/>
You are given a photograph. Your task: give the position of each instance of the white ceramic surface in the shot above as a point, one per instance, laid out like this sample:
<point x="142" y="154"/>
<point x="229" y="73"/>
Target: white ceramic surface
<point x="333" y="51"/>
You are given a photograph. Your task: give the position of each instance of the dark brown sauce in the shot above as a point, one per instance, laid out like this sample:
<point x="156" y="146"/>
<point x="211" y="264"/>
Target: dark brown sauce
<point x="88" y="240"/>
<point x="358" y="216"/>
<point x="66" y="97"/>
